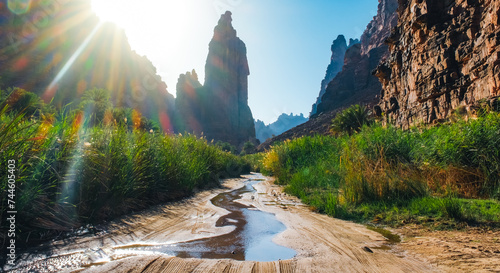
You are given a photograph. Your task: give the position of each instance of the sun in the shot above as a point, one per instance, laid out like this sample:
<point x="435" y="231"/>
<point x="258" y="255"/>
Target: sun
<point x="126" y="13"/>
<point x="114" y="11"/>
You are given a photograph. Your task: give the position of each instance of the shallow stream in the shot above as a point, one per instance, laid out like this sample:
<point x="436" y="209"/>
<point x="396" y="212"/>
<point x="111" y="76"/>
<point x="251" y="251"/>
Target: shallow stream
<point x="251" y="240"/>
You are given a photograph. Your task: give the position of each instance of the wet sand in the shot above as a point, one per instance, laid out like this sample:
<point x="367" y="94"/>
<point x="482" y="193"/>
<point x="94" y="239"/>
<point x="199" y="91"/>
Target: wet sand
<point x="250" y="240"/>
<point x="322" y="244"/>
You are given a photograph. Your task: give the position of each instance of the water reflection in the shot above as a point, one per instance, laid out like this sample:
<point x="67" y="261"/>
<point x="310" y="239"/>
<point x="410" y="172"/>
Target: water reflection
<point x="251" y="239"/>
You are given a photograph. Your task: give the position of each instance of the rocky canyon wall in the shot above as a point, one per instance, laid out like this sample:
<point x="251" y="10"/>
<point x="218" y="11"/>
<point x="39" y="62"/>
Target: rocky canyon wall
<point x="338" y="48"/>
<point x="444" y="55"/>
<point x="355" y="83"/>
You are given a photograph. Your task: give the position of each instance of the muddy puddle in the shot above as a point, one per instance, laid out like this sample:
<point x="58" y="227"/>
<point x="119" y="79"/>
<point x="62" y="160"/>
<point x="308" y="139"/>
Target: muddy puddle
<point x="251" y="240"/>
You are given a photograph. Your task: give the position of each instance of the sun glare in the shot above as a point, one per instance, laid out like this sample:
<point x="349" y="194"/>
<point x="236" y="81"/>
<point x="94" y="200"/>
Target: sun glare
<point x="163" y="30"/>
<point x="142" y="13"/>
<point x="114" y="11"/>
<point x="142" y="18"/>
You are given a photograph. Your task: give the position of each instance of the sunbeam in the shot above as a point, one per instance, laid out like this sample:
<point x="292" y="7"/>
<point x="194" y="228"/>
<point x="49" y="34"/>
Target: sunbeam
<point x="52" y="88"/>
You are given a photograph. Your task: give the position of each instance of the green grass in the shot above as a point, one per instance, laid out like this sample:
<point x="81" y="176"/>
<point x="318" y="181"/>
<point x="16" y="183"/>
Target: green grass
<point x="448" y="173"/>
<point x="431" y="211"/>
<point x="71" y="172"/>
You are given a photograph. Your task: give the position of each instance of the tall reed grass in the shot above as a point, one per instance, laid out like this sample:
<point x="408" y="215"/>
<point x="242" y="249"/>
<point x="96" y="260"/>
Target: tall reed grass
<point x="386" y="165"/>
<point x="70" y="174"/>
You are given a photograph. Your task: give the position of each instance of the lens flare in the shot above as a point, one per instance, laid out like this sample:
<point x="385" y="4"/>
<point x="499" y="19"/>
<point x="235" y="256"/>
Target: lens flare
<point x="19" y="6"/>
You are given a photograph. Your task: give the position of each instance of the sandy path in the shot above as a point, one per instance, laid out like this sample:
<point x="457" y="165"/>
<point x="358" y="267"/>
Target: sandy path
<point x="323" y="244"/>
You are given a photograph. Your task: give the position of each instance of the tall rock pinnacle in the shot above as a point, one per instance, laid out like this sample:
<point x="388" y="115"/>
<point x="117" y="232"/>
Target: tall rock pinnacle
<point x="226" y="84"/>
<point x="355" y="84"/>
<point x="223" y="100"/>
<point x="338" y="48"/>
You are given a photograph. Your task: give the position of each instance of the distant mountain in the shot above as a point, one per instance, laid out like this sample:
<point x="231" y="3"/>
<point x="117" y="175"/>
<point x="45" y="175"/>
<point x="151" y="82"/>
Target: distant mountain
<point x="58" y="49"/>
<point x="219" y="109"/>
<point x="284" y="123"/>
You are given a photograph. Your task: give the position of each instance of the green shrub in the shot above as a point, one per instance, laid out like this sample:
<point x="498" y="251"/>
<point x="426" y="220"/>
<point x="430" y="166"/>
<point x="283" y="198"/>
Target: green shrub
<point x="248" y="148"/>
<point x="351" y="120"/>
<point x="95" y="103"/>
<point x="290" y="156"/>
<point x="255" y="162"/>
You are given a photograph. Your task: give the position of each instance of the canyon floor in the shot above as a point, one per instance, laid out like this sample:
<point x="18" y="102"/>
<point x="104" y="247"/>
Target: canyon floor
<point x="322" y="243"/>
<point x="468" y="250"/>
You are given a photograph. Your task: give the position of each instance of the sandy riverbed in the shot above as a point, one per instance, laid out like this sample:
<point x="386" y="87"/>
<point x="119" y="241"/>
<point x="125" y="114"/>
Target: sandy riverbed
<point x="323" y="244"/>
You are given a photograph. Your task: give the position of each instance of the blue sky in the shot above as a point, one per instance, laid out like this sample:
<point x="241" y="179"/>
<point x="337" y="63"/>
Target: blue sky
<point x="288" y="41"/>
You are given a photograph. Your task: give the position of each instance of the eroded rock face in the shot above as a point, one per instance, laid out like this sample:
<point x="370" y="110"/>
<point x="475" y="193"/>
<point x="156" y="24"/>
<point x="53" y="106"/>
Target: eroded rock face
<point x="190" y="104"/>
<point x="338" y="48"/>
<point x="444" y="54"/>
<point x="380" y="27"/>
<point x="355" y="83"/>
<point x="219" y="108"/>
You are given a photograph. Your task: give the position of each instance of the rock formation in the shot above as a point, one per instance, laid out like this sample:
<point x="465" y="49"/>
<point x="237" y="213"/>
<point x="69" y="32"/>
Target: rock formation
<point x="380" y="27"/>
<point x="444" y="54"/>
<point x="338" y="48"/>
<point x="223" y="99"/>
<point x="355" y="83"/>
<point x="190" y="104"/>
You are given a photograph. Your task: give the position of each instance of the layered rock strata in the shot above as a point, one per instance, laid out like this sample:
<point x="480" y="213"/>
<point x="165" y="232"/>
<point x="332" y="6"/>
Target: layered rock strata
<point x="444" y="55"/>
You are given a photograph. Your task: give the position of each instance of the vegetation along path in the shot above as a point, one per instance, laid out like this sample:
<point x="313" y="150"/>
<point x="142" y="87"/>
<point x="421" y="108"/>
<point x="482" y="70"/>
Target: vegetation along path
<point x="134" y="243"/>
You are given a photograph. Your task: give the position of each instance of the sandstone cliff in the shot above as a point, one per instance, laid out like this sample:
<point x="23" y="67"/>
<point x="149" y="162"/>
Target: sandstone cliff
<point x="355" y="83"/>
<point x="222" y="111"/>
<point x="444" y="54"/>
